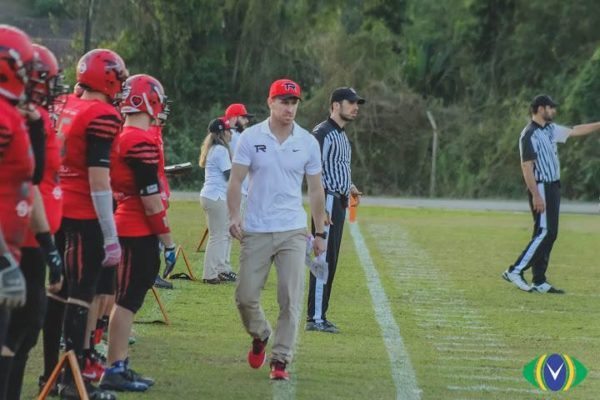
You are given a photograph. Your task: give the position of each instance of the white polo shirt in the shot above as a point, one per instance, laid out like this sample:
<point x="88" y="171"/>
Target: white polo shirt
<point x="275" y="174"/>
<point x="215" y="184"/>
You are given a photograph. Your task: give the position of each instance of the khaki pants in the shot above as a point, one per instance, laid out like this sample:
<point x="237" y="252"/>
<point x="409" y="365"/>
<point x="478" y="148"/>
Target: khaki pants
<point x="258" y="251"/>
<point x="242" y="212"/>
<point x="215" y="257"/>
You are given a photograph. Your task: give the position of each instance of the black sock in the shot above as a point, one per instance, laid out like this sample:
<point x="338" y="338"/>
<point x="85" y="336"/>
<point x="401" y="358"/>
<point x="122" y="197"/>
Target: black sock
<point x="74" y="330"/>
<point x="52" y="331"/>
<point x="92" y="342"/>
<point x="5" y="367"/>
<point x="102" y="323"/>
<point x="105" y="322"/>
<point x="16" y="377"/>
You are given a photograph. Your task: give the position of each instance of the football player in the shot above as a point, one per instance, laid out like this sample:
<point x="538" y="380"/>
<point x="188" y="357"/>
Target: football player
<point x="157" y="128"/>
<point x="141" y="221"/>
<point x="39" y="247"/>
<point x="16" y="168"/>
<point x="87" y="126"/>
<point x="56" y="302"/>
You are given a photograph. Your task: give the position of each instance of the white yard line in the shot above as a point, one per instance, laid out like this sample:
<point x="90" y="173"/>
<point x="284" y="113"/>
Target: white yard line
<point x="452" y="325"/>
<point x="403" y="373"/>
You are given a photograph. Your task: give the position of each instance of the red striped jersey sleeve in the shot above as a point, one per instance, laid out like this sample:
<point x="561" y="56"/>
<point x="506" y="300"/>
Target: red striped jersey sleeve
<point x="105" y="127"/>
<point x="143" y="153"/>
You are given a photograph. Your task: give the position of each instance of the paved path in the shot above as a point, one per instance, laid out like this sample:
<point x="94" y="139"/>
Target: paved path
<point x="575" y="207"/>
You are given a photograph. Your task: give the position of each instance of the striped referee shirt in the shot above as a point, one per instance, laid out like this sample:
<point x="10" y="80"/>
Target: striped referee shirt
<point x="336" y="155"/>
<point x="538" y="144"/>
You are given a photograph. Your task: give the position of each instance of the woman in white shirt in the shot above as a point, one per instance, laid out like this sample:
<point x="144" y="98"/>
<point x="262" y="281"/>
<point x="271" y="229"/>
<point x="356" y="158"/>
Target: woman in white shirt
<point x="215" y="158"/>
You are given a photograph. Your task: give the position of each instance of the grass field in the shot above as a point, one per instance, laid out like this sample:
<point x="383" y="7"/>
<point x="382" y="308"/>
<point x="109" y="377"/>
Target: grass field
<point x="466" y="331"/>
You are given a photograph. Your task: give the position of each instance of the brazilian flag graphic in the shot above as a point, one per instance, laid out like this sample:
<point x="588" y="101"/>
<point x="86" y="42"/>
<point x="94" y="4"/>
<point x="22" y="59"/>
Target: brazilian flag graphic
<point x="556" y="372"/>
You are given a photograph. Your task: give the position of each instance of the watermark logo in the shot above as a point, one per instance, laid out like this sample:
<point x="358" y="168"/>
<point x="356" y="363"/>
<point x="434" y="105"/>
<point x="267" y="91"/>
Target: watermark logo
<point x="555" y="372"/>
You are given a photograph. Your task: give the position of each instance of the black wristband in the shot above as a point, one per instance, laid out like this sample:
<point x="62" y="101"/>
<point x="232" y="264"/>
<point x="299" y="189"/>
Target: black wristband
<point x="322" y="235"/>
<point x="45" y="241"/>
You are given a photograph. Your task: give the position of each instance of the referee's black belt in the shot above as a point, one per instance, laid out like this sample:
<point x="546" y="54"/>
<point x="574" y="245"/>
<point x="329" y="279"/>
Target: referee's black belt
<point x="337" y="195"/>
<point x="549" y="183"/>
<point x="341" y="197"/>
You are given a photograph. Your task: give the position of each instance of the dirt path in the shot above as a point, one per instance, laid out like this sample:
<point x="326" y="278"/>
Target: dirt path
<point x="575" y="207"/>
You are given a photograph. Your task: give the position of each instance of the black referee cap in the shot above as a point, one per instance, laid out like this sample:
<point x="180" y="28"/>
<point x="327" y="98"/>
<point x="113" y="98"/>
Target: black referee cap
<point x="346" y="93"/>
<point x="542" y="100"/>
<point x="218" y="125"/>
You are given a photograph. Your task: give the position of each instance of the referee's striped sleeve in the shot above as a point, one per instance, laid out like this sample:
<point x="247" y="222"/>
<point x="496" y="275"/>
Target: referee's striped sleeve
<point x="526" y="146"/>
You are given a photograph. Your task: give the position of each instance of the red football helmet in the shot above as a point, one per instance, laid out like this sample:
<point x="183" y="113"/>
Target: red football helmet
<point x="143" y="93"/>
<point x="16" y="59"/>
<point x="46" y="80"/>
<point x="102" y="70"/>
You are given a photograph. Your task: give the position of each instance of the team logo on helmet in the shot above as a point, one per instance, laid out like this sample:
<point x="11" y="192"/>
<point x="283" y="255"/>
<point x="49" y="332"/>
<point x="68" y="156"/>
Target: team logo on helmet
<point x="136" y="101"/>
<point x="557" y="372"/>
<point x="82" y="67"/>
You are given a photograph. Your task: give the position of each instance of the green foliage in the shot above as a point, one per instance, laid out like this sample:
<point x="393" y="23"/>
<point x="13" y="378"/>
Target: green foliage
<point x="46" y="7"/>
<point x="474" y="63"/>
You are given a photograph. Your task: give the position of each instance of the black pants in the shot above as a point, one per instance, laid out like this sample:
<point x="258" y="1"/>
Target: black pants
<point x="26" y="322"/>
<point x="545" y="230"/>
<point x="320" y="291"/>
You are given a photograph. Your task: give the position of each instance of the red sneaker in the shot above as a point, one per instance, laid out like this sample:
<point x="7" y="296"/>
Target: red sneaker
<point x="257" y="354"/>
<point x="93" y="370"/>
<point x="278" y="372"/>
<point x="98" y="333"/>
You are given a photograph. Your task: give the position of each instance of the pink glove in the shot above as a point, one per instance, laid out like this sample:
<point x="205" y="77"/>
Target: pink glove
<point x="112" y="254"/>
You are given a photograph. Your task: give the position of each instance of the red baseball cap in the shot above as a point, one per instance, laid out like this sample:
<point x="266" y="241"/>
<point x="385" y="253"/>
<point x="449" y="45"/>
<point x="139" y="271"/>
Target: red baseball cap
<point x="285" y="89"/>
<point x="237" y="110"/>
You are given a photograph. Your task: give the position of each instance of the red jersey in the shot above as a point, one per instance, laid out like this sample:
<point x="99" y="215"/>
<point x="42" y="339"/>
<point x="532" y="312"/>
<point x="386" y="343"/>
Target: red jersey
<point x="133" y="147"/>
<point x="165" y="192"/>
<point x="49" y="187"/>
<point x="81" y="122"/>
<point x="16" y="172"/>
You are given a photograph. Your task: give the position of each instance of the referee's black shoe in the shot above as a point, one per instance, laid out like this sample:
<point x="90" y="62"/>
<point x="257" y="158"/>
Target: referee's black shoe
<point x="546" y="288"/>
<point x="323" y="326"/>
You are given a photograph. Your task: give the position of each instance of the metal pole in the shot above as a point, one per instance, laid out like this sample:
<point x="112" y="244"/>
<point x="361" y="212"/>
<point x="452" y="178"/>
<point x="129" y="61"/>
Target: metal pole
<point x="88" y="26"/>
<point x="433" y="154"/>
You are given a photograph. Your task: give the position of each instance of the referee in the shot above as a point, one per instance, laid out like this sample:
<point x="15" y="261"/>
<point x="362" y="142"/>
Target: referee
<point x="541" y="171"/>
<point x="337" y="182"/>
